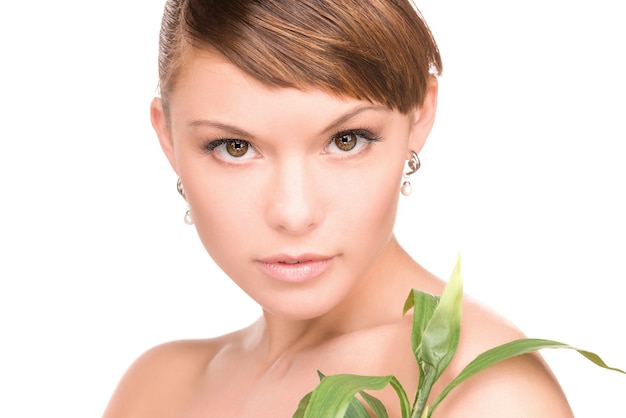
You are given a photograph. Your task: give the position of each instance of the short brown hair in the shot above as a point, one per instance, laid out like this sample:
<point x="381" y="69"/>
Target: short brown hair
<point x="376" y="50"/>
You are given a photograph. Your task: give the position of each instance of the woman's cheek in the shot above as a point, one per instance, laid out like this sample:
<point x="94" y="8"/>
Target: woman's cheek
<point x="373" y="195"/>
<point x="220" y="206"/>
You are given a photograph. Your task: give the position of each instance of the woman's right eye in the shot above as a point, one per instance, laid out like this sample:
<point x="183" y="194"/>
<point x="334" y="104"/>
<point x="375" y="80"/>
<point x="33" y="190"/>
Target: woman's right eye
<point x="231" y="150"/>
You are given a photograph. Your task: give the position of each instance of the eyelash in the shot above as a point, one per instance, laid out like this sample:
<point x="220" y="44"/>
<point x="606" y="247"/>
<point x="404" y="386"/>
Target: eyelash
<point x="360" y="132"/>
<point x="210" y="145"/>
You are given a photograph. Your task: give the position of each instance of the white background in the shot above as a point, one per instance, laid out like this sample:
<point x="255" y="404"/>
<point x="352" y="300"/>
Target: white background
<point x="524" y="174"/>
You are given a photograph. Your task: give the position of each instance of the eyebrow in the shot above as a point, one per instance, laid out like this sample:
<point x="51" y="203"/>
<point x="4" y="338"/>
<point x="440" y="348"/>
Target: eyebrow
<point x="241" y="133"/>
<point x="233" y="130"/>
<point x="346" y="117"/>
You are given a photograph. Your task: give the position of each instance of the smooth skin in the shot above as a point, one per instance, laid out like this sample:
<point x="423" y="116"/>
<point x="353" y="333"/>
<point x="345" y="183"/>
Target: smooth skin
<point x="289" y="189"/>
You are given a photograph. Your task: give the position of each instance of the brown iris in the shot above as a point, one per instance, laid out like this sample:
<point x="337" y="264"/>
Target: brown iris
<point x="347" y="141"/>
<point x="237" y="148"/>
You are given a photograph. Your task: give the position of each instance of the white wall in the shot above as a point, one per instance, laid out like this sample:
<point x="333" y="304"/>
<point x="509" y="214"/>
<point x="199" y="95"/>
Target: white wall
<point x="523" y="174"/>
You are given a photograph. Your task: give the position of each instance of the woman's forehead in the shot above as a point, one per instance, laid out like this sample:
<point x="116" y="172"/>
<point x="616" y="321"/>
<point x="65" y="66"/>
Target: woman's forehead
<point x="209" y="80"/>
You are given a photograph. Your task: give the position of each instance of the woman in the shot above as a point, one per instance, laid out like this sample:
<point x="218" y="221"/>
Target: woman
<point x="294" y="127"/>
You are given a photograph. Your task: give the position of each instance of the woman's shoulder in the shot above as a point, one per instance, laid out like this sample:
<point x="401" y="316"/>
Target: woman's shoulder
<point x="164" y="378"/>
<point x="518" y="387"/>
<point x="483" y="328"/>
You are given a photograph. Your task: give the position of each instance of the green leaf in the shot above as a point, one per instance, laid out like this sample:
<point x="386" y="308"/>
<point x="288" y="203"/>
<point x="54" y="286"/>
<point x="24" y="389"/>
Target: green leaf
<point x="356" y="409"/>
<point x="441" y="336"/>
<point x="423" y="305"/>
<point x="375" y="405"/>
<point x="440" y="339"/>
<point x="332" y="397"/>
<point x="405" y="406"/>
<point x="302" y="406"/>
<point x="506" y="351"/>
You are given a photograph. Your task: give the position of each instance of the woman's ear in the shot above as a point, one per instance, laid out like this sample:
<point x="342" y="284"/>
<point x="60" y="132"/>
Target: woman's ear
<point x="162" y="129"/>
<point x="424" y="117"/>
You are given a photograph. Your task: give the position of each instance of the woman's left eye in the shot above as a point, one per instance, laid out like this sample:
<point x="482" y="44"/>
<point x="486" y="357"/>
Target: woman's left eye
<point x="351" y="141"/>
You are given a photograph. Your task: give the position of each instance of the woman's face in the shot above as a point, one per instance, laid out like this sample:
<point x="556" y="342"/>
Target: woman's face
<point x="293" y="193"/>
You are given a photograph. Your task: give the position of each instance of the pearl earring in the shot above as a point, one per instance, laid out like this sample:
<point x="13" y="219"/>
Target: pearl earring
<point x="406" y="188"/>
<point x="187" y="218"/>
<point x="414" y="165"/>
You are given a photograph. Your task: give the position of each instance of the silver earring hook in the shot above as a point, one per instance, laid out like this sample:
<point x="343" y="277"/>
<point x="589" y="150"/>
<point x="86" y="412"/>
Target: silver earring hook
<point x="414" y="164"/>
<point x="179" y="187"/>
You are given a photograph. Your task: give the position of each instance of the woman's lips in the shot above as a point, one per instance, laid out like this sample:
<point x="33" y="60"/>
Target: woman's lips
<point x="295" y="269"/>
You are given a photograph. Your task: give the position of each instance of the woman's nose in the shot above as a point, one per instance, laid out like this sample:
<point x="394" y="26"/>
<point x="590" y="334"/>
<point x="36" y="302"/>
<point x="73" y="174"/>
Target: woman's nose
<point x="294" y="199"/>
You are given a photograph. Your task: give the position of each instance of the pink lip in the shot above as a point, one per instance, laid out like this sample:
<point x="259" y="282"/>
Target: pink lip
<point x="307" y="267"/>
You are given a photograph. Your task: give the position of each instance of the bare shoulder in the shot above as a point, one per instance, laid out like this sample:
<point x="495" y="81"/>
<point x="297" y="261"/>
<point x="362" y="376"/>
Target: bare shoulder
<point x="519" y="387"/>
<point x="163" y="379"/>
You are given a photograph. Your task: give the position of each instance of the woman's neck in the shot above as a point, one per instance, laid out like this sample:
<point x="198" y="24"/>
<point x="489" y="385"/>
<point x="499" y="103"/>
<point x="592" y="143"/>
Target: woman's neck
<point x="377" y="301"/>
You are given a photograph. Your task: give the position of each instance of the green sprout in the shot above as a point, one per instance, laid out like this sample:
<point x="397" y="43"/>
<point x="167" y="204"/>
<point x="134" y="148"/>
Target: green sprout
<point x="435" y="337"/>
